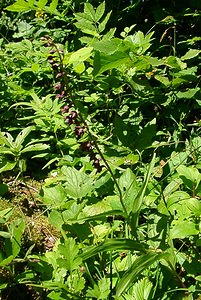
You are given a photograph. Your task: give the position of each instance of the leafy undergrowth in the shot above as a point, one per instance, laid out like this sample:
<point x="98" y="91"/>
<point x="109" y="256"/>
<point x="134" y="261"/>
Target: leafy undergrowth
<point x="100" y="151"/>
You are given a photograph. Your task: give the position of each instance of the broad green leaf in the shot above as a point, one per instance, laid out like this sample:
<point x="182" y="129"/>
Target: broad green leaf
<point x="175" y="63"/>
<point x="140" y="264"/>
<point x="70" y="252"/>
<point x="105" y="62"/>
<point x="77" y="184"/>
<point x="53" y="6"/>
<point x="5" y="234"/>
<point x="102" y="25"/>
<point x="31" y="3"/>
<point x="16" y="230"/>
<point x="79" y="68"/>
<point x="89" y="10"/>
<point x="35" y="147"/>
<point x="80" y="55"/>
<point x="129" y="188"/>
<point x="191" y="54"/>
<point x="5" y="214"/>
<point x="53" y="195"/>
<point x="19" y="6"/>
<point x="181" y="230"/>
<point x="6" y="165"/>
<point x="100" y="11"/>
<point x="55" y="218"/>
<point x="41" y="3"/>
<point x="189" y="94"/>
<point x="162" y="79"/>
<point x="190" y="176"/>
<point x="113" y="244"/>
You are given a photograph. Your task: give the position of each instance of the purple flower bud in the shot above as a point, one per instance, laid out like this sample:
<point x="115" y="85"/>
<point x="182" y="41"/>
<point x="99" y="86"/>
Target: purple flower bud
<point x="61" y="74"/>
<point x="57" y="86"/>
<point x="79" y="131"/>
<point x="73" y="114"/>
<point x="68" y="120"/>
<point x="52" y="51"/>
<point x="61" y="95"/>
<point x="51" y="61"/>
<point x="65" y="109"/>
<point x="55" y="65"/>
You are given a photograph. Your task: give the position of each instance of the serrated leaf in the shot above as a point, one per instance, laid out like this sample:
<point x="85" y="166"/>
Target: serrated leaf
<point x="54" y="195"/>
<point x="77" y="184"/>
<point x="142" y="289"/>
<point x="89" y="10"/>
<point x="70" y="252"/>
<point x="102" y="25"/>
<point x="100" y="11"/>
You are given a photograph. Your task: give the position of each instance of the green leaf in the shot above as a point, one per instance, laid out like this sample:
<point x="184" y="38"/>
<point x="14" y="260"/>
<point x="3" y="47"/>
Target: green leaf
<point x="53" y="195"/>
<point x="22" y="136"/>
<point x="89" y="11"/>
<point x="5" y="215"/>
<point x="139" y="199"/>
<point x="140" y="264"/>
<point x="19" y="6"/>
<point x="190" y="176"/>
<point x="55" y="218"/>
<point x="128" y="185"/>
<point x="102" y="25"/>
<point x="100" y="11"/>
<point x="16" y="230"/>
<point x="41" y="3"/>
<point x="3" y="189"/>
<point x="113" y="244"/>
<point x="5" y="234"/>
<point x="80" y="55"/>
<point x="181" y="230"/>
<point x="189" y="94"/>
<point x="103" y="62"/>
<point x="53" y="6"/>
<point x="70" y="252"/>
<point x="175" y="63"/>
<point x="35" y="147"/>
<point x="77" y="184"/>
<point x="6" y="165"/>
<point x="142" y="289"/>
<point x="191" y="54"/>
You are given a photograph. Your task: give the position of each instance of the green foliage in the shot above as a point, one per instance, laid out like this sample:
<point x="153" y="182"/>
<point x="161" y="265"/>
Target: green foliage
<point x="110" y="110"/>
